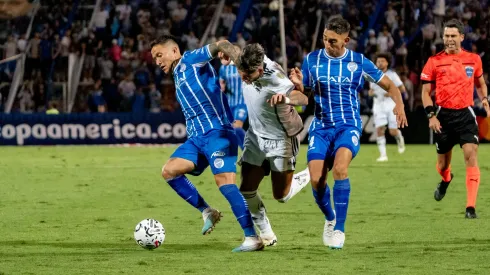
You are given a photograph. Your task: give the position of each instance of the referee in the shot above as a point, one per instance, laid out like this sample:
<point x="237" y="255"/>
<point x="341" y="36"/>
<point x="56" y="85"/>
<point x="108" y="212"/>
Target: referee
<point x="454" y="72"/>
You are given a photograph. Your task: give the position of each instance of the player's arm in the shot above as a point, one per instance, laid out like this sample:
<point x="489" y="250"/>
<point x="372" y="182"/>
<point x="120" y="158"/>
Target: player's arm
<point x="482" y="91"/>
<point x="295" y="98"/>
<point x="391" y="89"/>
<point x="222" y="85"/>
<point x="226" y="48"/>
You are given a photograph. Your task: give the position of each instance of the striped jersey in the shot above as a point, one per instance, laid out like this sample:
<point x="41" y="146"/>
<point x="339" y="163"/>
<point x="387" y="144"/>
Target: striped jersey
<point x="230" y="75"/>
<point x="336" y="82"/>
<point x="199" y="95"/>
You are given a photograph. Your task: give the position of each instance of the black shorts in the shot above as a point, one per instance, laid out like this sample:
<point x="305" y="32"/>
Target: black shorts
<point x="458" y="126"/>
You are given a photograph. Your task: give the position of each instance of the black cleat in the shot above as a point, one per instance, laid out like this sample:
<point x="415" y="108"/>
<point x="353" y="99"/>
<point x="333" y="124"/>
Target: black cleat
<point x="470" y="213"/>
<point x="441" y="189"/>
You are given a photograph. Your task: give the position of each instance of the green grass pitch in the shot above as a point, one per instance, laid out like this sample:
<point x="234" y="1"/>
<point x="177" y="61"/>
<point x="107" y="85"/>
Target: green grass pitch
<point x="72" y="210"/>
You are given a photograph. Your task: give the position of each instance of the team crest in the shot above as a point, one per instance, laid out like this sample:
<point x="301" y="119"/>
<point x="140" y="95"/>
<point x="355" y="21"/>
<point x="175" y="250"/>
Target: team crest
<point x="469" y="71"/>
<point x="182" y="68"/>
<point x="352" y="66"/>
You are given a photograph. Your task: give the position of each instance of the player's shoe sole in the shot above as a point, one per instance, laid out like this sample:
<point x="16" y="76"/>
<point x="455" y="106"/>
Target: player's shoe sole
<point x="212" y="219"/>
<point x="250" y="244"/>
<point x="441" y="189"/>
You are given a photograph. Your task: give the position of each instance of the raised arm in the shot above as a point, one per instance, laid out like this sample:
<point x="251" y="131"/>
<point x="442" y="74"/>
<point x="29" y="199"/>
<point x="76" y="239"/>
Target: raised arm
<point x="225" y="47"/>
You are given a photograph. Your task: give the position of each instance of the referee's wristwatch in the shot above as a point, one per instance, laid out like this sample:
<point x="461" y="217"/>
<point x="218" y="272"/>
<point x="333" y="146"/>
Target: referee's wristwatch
<point x="430" y="115"/>
<point x="484" y="99"/>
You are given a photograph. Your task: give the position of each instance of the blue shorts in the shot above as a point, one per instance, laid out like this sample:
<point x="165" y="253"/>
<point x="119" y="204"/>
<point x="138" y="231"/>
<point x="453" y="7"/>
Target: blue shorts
<point x="240" y="112"/>
<point x="217" y="147"/>
<point x="324" y="142"/>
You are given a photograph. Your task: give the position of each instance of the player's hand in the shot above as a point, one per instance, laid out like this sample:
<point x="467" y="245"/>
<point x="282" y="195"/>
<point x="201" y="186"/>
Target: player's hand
<point x="435" y="125"/>
<point x="296" y="77"/>
<point x="225" y="60"/>
<point x="277" y="99"/>
<point x="486" y="107"/>
<point x="401" y="117"/>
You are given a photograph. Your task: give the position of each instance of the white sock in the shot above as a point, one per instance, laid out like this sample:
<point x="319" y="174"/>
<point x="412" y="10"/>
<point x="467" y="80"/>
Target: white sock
<point x="381" y="145"/>
<point x="257" y="210"/>
<point x="399" y="137"/>
<point x="300" y="180"/>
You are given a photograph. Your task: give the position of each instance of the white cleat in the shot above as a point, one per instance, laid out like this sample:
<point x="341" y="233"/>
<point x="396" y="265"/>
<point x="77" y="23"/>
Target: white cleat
<point x="211" y="217"/>
<point x="382" y="159"/>
<point x="250" y="244"/>
<point x="401" y="146"/>
<point x="328" y="232"/>
<point x="269" y="239"/>
<point x="338" y="240"/>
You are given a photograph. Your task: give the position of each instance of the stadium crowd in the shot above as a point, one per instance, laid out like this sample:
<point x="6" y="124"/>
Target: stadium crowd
<point x="118" y="74"/>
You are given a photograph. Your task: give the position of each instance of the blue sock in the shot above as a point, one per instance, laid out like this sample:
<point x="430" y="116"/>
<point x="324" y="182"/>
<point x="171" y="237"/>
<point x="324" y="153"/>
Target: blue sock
<point x="186" y="190"/>
<point x="239" y="207"/>
<point x="341" y="194"/>
<point x="240" y="133"/>
<point x="322" y="198"/>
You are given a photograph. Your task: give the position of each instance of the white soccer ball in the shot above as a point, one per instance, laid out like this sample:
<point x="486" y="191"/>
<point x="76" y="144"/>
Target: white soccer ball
<point x="274" y="5"/>
<point x="149" y="234"/>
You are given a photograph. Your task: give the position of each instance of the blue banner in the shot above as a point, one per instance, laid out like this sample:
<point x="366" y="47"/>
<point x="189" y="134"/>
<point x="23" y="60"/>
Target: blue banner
<point x="108" y="128"/>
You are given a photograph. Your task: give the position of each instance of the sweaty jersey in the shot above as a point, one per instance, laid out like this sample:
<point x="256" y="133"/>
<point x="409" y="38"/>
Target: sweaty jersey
<point x="199" y="95"/>
<point x="230" y="75"/>
<point x="269" y="122"/>
<point x="454" y="75"/>
<point x="336" y="82"/>
<point x="380" y="98"/>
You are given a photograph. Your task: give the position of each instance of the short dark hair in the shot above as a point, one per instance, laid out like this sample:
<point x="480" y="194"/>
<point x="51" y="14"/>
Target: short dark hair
<point x="251" y="58"/>
<point x="455" y="23"/>
<point x="163" y="40"/>
<point x="386" y="56"/>
<point x="339" y="25"/>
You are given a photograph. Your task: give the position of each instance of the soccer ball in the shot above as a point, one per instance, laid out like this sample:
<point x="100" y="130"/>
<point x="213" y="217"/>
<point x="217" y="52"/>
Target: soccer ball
<point x="149" y="234"/>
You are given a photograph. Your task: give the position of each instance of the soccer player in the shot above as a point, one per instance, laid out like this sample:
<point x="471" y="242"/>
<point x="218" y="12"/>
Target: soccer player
<point x="383" y="108"/>
<point x="211" y="138"/>
<point x="271" y="142"/>
<point x="231" y="84"/>
<point x="454" y="72"/>
<point x="336" y="75"/>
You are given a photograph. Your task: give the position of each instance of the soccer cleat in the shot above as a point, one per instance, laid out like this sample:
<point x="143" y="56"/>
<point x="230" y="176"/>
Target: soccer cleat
<point x="211" y="217"/>
<point x="269" y="239"/>
<point x="328" y="232"/>
<point x="382" y="159"/>
<point x="470" y="213"/>
<point x="440" y="191"/>
<point x="253" y="243"/>
<point x="401" y="145"/>
<point x="338" y="240"/>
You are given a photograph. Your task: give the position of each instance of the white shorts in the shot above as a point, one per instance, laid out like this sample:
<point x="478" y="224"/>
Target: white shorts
<point x="279" y="153"/>
<point x="384" y="116"/>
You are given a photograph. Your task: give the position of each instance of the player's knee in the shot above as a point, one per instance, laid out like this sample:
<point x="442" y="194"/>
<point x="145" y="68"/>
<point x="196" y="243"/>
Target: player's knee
<point x="167" y="172"/>
<point x="394" y="132"/>
<point x="471" y="158"/>
<point x="340" y="171"/>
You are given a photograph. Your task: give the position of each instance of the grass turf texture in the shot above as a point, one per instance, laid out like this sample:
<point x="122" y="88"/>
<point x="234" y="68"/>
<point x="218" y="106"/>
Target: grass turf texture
<point x="72" y="210"/>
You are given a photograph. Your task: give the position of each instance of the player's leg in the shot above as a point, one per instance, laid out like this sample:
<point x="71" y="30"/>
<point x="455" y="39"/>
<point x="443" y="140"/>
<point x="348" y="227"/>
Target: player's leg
<point x="318" y="152"/>
<point x="240" y="114"/>
<point x="185" y="160"/>
<point x="469" y="142"/>
<point x="380" y="122"/>
<point x="221" y="149"/>
<point x="346" y="148"/>
<point x="253" y="171"/>
<point x="444" y="144"/>
<point x="396" y="133"/>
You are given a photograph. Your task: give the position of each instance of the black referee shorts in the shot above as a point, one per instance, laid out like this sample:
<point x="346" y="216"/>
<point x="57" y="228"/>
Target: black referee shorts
<point x="458" y="126"/>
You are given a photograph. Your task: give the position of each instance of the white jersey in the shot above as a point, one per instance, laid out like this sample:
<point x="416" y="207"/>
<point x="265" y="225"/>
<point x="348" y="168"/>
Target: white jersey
<point x="271" y="122"/>
<point x="381" y="101"/>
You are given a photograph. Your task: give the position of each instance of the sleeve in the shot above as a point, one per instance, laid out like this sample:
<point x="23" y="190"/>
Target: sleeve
<point x="370" y="71"/>
<point x="396" y="79"/>
<point x="478" y="67"/>
<point x="197" y="56"/>
<point x="428" y="71"/>
<point x="222" y="72"/>
<point x="305" y="70"/>
<point x="284" y="85"/>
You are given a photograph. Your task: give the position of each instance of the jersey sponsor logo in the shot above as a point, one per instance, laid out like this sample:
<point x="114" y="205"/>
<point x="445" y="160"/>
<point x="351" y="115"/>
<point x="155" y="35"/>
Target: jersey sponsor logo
<point x="352" y="66"/>
<point x="218" y="154"/>
<point x="219" y="163"/>
<point x="426" y="76"/>
<point x="469" y="71"/>
<point x="335" y="79"/>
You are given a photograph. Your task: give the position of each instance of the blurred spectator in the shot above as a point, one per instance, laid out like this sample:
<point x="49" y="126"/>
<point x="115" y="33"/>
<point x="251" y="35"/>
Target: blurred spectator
<point x="155" y="98"/>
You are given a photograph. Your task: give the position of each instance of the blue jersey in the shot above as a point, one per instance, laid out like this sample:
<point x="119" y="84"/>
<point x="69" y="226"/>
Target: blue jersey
<point x="230" y="75"/>
<point x="199" y="95"/>
<point x="336" y="83"/>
